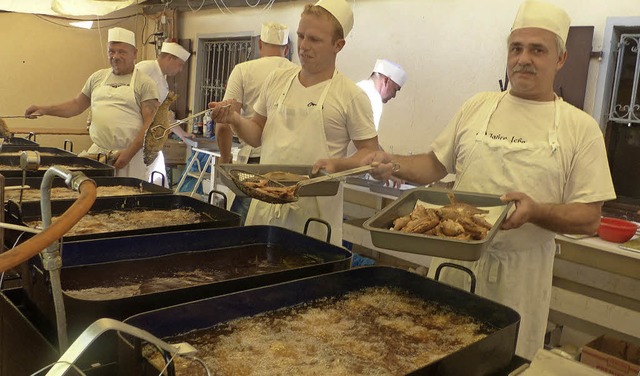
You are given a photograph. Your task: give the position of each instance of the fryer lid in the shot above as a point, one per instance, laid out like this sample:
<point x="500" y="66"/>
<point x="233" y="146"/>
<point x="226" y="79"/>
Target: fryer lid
<point x="93" y="168"/>
<point x="466" y="250"/>
<point x="488" y="355"/>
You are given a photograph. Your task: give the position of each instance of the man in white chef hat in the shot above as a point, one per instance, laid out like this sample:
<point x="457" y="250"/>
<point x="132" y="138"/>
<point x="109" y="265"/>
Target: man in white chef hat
<point x="169" y="63"/>
<point x="309" y="114"/>
<point x="533" y="149"/>
<point x="123" y="103"/>
<point x="385" y="81"/>
<point x="244" y="86"/>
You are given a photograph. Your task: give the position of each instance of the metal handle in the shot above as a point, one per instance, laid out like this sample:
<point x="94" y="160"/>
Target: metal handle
<point x="153" y="173"/>
<point x="220" y="193"/>
<point x="335" y="175"/>
<point x="312" y="219"/>
<point x="31" y="134"/>
<point x="102" y="325"/>
<point x="70" y="143"/>
<point x="472" y="288"/>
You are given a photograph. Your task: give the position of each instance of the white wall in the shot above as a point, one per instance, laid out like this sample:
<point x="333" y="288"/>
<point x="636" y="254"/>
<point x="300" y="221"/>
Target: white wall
<point x="451" y="49"/>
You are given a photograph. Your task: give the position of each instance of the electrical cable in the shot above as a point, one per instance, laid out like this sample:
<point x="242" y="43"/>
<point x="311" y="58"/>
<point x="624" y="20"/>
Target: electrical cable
<point x="200" y="7"/>
<point x="225" y="7"/>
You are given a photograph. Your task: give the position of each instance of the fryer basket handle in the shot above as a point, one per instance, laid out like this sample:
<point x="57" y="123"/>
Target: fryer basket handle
<point x="472" y="288"/>
<point x="327" y="225"/>
<point x="68" y="142"/>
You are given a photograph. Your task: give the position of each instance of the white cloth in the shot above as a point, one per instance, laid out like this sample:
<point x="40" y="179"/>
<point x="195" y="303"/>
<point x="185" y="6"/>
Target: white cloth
<point x="115" y="121"/>
<point x="346" y="112"/>
<point x="375" y="98"/>
<point x="244" y="85"/>
<point x="490" y="155"/>
<point x="296" y="133"/>
<point x="152" y="69"/>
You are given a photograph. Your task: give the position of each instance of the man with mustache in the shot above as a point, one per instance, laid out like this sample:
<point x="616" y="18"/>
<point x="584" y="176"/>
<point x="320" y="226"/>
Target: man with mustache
<point x="306" y="114"/>
<point x="532" y="148"/>
<point x="123" y="103"/>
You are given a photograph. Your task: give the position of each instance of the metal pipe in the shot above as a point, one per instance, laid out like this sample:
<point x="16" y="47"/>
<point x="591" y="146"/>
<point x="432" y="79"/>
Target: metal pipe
<point x="47" y="240"/>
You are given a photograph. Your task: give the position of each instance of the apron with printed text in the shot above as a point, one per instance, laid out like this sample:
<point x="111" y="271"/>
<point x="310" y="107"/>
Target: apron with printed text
<point x="517" y="267"/>
<point x="297" y="136"/>
<point x="115" y="121"/>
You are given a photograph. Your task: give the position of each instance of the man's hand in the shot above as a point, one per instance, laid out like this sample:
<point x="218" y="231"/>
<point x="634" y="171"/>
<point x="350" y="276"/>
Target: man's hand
<point x="381" y="163"/>
<point x="34" y="111"/>
<point x="122" y="158"/>
<point x="328" y="165"/>
<point x="223" y="112"/>
<point x="525" y="210"/>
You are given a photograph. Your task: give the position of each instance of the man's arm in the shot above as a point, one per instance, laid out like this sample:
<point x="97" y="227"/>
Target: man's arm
<point x="574" y="218"/>
<point x="148" y="109"/>
<point x="419" y="168"/>
<point x="66" y="110"/>
<point x="224" y="137"/>
<point x="364" y="148"/>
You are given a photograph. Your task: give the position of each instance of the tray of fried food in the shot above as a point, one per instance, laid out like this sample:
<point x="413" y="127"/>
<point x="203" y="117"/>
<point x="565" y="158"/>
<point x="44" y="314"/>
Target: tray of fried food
<point x="286" y="175"/>
<point x="438" y="222"/>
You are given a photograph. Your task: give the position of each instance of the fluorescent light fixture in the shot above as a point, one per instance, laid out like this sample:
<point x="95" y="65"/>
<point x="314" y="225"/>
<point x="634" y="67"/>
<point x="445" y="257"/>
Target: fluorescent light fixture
<point x="82" y="24"/>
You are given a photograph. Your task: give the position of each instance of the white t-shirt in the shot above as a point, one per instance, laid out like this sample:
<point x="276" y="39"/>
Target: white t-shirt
<point x="376" y="100"/>
<point x="347" y="111"/>
<point x="152" y="69"/>
<point x="145" y="88"/>
<point x="583" y="156"/>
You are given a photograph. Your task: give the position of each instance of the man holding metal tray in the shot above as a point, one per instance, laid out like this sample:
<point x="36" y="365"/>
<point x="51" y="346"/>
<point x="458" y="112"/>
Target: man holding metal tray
<point x="307" y="114"/>
<point x="532" y="148"/>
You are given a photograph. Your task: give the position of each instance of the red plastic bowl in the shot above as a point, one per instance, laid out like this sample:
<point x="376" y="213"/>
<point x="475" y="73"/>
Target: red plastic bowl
<point x="616" y="230"/>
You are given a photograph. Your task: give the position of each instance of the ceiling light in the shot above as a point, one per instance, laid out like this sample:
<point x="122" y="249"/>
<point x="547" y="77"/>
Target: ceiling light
<point x="82" y="24"/>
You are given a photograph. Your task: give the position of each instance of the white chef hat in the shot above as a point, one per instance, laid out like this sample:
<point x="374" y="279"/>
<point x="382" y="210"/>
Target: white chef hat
<point x="274" y="33"/>
<point x="543" y="15"/>
<point x="391" y="70"/>
<point x="176" y="50"/>
<point x="118" y="34"/>
<point x="341" y="10"/>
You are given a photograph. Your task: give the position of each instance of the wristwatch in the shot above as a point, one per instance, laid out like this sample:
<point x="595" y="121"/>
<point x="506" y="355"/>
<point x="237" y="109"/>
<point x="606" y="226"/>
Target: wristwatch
<point x="395" y="166"/>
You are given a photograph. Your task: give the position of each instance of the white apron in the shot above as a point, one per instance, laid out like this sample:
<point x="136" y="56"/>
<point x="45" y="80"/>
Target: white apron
<point x="517" y="268"/>
<point x="115" y="121"/>
<point x="297" y="136"/>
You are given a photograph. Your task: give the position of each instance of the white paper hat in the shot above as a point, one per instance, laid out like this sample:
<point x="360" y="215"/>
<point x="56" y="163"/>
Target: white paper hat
<point x="391" y="70"/>
<point x="274" y="33"/>
<point x="341" y="10"/>
<point x="118" y="34"/>
<point x="540" y="14"/>
<point x="176" y="50"/>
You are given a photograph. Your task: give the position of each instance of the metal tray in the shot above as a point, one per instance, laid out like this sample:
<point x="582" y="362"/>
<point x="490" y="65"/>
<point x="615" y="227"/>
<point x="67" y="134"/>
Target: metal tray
<point x="487" y="356"/>
<point x="232" y="250"/>
<point x="15" y="150"/>
<point x="30" y="211"/>
<point x="325" y="188"/>
<point x="87" y="166"/>
<point x="467" y="250"/>
<point x="101" y="181"/>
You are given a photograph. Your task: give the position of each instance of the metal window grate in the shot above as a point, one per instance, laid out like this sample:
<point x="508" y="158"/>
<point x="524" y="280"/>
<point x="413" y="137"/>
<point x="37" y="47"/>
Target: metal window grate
<point x="625" y="103"/>
<point x="217" y="59"/>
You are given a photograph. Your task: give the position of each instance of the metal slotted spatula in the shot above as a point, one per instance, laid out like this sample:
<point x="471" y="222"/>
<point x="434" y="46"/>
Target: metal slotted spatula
<point x="272" y="191"/>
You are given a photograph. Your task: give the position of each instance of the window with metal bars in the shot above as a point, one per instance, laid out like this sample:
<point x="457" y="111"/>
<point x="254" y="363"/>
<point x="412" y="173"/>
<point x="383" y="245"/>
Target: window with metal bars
<point x="216" y="59"/>
<point x="625" y="100"/>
